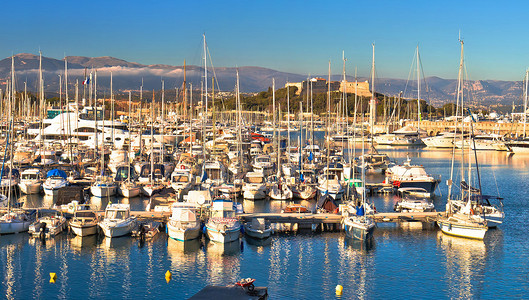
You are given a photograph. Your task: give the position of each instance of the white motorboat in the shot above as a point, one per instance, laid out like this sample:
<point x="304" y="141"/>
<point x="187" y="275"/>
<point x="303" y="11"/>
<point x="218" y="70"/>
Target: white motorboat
<point x="104" y="186"/>
<point x="48" y="222"/>
<point x="254" y="187"/>
<point x="14" y="222"/>
<point x="263" y="164"/>
<point x="222" y="225"/>
<point x="117" y="221"/>
<point x="30" y="181"/>
<point x="412" y="204"/>
<point x="412" y="176"/>
<point x="443" y="140"/>
<point x="55" y="180"/>
<point x="484" y="142"/>
<point x="184" y="223"/>
<point x="84" y="223"/>
<point x="182" y="181"/>
<point x="258" y="228"/>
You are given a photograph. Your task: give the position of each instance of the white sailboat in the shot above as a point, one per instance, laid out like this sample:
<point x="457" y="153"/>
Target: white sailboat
<point x="129" y="188"/>
<point x="104" y="186"/>
<point x="357" y="224"/>
<point x="463" y="221"/>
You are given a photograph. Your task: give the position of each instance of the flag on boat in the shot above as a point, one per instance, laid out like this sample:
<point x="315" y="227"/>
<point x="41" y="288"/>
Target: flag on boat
<point x="86" y="81"/>
<point x="311" y="156"/>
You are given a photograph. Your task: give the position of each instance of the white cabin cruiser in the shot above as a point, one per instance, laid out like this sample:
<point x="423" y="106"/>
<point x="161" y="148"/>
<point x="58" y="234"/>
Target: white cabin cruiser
<point x="117" y="221"/>
<point x="223" y="226"/>
<point x="184" y="223"/>
<point x="30" y="181"/>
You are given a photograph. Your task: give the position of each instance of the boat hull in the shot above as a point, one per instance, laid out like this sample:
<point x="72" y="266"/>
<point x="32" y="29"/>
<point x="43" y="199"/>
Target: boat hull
<point x="258" y="234"/>
<point x="181" y="234"/>
<point x="14" y="227"/>
<point x="359" y="232"/>
<point x="103" y="191"/>
<point x="83" y="230"/>
<point x="30" y="188"/>
<point x="221" y="236"/>
<point x="129" y="192"/>
<point x="471" y="232"/>
<point x="113" y="229"/>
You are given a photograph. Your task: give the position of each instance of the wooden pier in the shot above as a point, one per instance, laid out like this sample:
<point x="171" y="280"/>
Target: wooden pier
<point x="316" y="219"/>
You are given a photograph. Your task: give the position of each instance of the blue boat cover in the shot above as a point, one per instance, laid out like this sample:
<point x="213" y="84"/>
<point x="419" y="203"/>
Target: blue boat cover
<point x="56" y="173"/>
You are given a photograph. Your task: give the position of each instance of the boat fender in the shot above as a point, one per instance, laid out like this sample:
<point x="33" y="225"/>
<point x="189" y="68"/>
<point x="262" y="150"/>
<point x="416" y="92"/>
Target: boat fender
<point x="471" y="211"/>
<point x="336" y="210"/>
<point x="225" y="228"/>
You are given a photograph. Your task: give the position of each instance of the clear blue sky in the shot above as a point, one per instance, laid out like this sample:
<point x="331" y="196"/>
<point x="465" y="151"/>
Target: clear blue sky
<point x="291" y="36"/>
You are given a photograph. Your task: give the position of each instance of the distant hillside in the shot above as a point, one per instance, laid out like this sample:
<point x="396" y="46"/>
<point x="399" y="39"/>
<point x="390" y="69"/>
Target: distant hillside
<point x="129" y="75"/>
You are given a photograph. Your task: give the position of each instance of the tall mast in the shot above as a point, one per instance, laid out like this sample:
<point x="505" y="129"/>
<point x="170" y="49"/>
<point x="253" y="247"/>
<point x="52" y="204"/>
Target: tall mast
<point x="184" y="86"/>
<point x="274" y="108"/>
<point x="205" y="79"/>
<point x="459" y="106"/>
<point x="328" y="103"/>
<point x="372" y="103"/>
<point x="525" y="101"/>
<point x="162" y="121"/>
<point x="418" y="93"/>
<point x="152" y="138"/>
<point x="111" y="109"/>
<point x="41" y="105"/>
<point x="130" y="141"/>
<point x="288" y="122"/>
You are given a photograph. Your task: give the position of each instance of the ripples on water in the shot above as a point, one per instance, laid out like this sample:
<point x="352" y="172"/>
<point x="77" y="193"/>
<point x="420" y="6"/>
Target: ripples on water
<point x="400" y="262"/>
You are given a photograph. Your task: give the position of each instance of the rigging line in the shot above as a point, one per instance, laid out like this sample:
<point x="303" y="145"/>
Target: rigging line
<point x="409" y="75"/>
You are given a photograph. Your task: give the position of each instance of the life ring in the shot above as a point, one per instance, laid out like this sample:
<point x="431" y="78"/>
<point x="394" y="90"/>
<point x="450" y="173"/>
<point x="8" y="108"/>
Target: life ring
<point x="182" y="167"/>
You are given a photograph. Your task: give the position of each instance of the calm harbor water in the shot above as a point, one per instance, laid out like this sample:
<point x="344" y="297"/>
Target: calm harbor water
<point x="400" y="262"/>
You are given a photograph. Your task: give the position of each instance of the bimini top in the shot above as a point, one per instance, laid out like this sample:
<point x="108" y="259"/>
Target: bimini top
<point x="56" y="173"/>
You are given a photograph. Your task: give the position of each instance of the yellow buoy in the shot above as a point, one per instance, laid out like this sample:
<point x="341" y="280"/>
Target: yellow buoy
<point x="168" y="276"/>
<point x="53" y="277"/>
<point x="339" y="290"/>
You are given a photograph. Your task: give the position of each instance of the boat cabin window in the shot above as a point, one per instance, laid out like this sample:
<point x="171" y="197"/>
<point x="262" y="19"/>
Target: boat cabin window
<point x="257" y="179"/>
<point x="116" y="214"/>
<point x="30" y="176"/>
<point x="213" y="174"/>
<point x="223" y="214"/>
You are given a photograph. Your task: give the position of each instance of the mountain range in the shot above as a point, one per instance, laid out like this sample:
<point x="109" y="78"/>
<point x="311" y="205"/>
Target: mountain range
<point x="129" y="76"/>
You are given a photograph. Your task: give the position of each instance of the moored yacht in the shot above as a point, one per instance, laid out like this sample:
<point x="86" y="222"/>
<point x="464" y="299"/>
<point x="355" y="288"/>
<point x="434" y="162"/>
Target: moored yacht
<point x="184" y="223"/>
<point x="223" y="226"/>
<point x="117" y="221"/>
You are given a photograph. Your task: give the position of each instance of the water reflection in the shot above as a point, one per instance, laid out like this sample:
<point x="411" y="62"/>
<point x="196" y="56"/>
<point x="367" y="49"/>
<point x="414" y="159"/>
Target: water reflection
<point x="223" y="262"/>
<point x="465" y="265"/>
<point x="84" y="242"/>
<point x="356" y="266"/>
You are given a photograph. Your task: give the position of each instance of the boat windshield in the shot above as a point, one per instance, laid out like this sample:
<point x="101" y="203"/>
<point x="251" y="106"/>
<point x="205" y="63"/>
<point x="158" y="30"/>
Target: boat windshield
<point x="257" y="179"/>
<point x="223" y="214"/>
<point x="30" y="176"/>
<point x="116" y="214"/>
